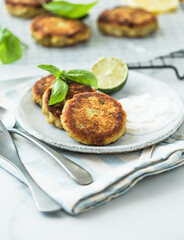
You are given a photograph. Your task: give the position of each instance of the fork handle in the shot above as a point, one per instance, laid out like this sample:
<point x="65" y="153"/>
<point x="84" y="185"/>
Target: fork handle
<point x="43" y="201"/>
<point x="79" y="174"/>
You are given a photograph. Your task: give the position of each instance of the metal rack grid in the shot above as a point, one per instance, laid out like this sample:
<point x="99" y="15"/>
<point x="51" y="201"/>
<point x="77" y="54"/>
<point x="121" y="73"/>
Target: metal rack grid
<point x="161" y="63"/>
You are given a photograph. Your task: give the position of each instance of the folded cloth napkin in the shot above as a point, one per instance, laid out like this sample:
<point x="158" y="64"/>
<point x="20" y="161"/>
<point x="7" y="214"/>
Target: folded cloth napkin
<point x="113" y="174"/>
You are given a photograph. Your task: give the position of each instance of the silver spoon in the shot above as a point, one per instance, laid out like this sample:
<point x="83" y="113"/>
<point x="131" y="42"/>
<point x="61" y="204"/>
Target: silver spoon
<point x="79" y="174"/>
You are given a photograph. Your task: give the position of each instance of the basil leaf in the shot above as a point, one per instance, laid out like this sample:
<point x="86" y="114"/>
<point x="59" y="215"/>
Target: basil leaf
<point x="69" y="10"/>
<point x="50" y="68"/>
<point x="83" y="77"/>
<point x="59" y="91"/>
<point x="10" y="47"/>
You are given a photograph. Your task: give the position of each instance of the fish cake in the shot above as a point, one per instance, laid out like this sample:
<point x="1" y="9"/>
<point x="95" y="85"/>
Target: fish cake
<point x="94" y="119"/>
<point x="126" y="21"/>
<point x="53" y="112"/>
<point x="25" y="8"/>
<point x="40" y="87"/>
<point x="54" y="31"/>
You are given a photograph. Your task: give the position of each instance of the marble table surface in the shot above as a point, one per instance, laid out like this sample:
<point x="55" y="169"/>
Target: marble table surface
<point x="153" y="209"/>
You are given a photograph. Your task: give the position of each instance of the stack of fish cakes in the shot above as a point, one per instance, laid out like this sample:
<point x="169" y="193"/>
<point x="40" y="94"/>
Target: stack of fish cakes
<point x="89" y="117"/>
<point x="53" y="112"/>
<point x="41" y="95"/>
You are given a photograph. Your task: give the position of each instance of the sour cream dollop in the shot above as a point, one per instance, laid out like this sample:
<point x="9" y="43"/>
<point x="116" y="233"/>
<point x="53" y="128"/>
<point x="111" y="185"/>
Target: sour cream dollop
<point x="146" y="114"/>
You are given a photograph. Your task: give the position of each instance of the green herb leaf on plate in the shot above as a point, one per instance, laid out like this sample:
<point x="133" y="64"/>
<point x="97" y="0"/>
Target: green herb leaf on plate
<point x="83" y="77"/>
<point x="69" y="10"/>
<point x="10" y="46"/>
<point x="59" y="91"/>
<point x="51" y="68"/>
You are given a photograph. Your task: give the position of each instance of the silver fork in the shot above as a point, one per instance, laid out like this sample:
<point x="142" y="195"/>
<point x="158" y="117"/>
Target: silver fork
<point x="8" y="152"/>
<point x="147" y="153"/>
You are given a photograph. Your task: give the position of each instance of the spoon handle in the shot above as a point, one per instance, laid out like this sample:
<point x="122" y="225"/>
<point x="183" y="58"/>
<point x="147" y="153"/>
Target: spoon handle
<point x="79" y="174"/>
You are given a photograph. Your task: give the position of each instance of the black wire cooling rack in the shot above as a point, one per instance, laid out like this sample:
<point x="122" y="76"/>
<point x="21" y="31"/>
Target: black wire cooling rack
<point x="162" y="63"/>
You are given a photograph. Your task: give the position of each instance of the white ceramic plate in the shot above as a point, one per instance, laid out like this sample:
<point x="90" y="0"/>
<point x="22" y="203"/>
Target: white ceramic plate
<point x="32" y="120"/>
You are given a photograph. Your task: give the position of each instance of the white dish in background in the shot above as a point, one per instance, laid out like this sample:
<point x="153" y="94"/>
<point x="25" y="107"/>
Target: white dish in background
<point x="32" y="120"/>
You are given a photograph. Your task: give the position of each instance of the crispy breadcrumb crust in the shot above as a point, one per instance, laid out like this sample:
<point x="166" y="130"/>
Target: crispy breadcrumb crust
<point x="53" y="112"/>
<point x="40" y="87"/>
<point x="54" y="31"/>
<point x="94" y="119"/>
<point x="127" y="21"/>
<point x="25" y="8"/>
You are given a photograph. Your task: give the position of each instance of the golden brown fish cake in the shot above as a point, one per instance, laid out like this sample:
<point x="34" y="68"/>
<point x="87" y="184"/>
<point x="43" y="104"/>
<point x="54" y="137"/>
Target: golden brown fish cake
<point x="128" y="22"/>
<point x="53" y="112"/>
<point x="25" y="8"/>
<point x="94" y="119"/>
<point x="40" y="87"/>
<point x="55" y="31"/>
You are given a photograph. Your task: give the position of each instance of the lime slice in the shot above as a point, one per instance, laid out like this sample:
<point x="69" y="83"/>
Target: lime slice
<point x="111" y="73"/>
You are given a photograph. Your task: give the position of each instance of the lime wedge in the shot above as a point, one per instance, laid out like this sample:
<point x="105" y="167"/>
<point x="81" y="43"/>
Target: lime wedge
<point x="111" y="73"/>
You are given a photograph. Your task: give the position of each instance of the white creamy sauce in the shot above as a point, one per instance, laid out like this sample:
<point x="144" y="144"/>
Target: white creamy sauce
<point x="146" y="114"/>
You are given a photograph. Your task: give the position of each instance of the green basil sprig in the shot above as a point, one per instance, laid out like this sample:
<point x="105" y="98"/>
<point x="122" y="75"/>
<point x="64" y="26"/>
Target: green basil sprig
<point x="10" y="46"/>
<point x="60" y="87"/>
<point x="69" y="10"/>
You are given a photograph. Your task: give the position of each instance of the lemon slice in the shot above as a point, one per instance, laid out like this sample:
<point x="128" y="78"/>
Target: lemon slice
<point x="111" y="73"/>
<point x="155" y="6"/>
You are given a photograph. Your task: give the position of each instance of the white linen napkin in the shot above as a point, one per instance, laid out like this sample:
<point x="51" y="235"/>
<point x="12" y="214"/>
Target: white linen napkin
<point x="113" y="174"/>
